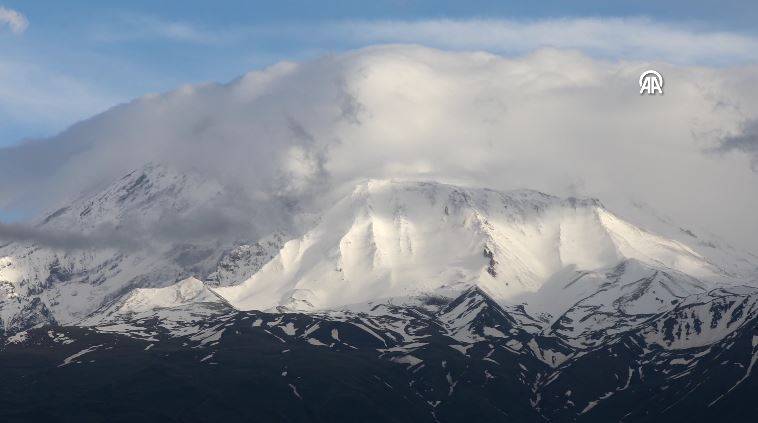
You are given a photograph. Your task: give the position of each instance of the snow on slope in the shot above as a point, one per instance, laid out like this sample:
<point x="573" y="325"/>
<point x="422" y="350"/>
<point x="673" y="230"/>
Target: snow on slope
<point x="585" y="308"/>
<point x="188" y="295"/>
<point x="188" y="291"/>
<point x="393" y="239"/>
<point x="703" y="319"/>
<point x="40" y="283"/>
<point x="181" y="309"/>
<point x="147" y="194"/>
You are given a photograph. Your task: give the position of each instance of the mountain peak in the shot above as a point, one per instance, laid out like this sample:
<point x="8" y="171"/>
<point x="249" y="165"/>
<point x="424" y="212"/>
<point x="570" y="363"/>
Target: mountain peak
<point x="143" y="194"/>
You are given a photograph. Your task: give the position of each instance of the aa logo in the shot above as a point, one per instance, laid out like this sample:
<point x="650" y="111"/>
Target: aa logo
<point x="651" y="83"/>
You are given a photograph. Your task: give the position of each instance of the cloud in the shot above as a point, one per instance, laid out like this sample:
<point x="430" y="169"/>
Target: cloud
<point x="13" y="19"/>
<point x="66" y="240"/>
<point x="217" y="222"/>
<point x="745" y="141"/>
<point x="623" y="38"/>
<point x="300" y="134"/>
<point x="135" y="27"/>
<point x="611" y="38"/>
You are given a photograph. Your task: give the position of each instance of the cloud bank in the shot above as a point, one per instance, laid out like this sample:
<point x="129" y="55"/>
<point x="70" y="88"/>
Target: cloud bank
<point x="557" y="121"/>
<point x="13" y="20"/>
<point x="66" y="240"/>
<point x="203" y="224"/>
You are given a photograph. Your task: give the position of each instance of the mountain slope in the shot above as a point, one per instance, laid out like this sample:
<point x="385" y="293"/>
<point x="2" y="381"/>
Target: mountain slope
<point x="437" y="360"/>
<point x="394" y="239"/>
<point x="148" y="229"/>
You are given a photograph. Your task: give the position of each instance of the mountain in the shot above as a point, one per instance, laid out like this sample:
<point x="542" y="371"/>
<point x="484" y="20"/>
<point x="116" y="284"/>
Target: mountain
<point x="134" y="235"/>
<point x="392" y="239"/>
<point x="189" y="293"/>
<point x="400" y="301"/>
<point x="437" y="360"/>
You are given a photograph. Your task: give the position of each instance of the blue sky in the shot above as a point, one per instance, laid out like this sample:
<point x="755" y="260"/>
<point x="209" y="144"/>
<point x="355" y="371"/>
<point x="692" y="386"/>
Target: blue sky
<point x="76" y="58"/>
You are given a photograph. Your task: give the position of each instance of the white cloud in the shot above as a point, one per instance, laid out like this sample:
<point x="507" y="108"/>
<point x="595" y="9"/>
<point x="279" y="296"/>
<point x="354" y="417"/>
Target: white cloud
<point x="129" y="27"/>
<point x="613" y="38"/>
<point x="13" y="19"/>
<point x="557" y="121"/>
<point x="627" y="38"/>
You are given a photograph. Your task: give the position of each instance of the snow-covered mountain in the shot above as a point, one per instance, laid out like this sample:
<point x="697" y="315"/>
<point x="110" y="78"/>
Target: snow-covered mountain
<point x="147" y="300"/>
<point x="139" y="232"/>
<point x="450" y="292"/>
<point x="561" y="259"/>
<point x="393" y="239"/>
